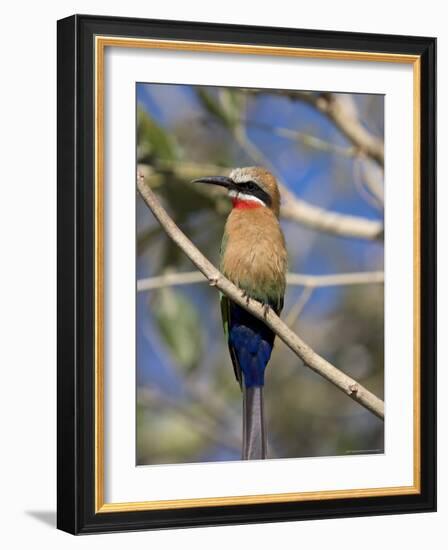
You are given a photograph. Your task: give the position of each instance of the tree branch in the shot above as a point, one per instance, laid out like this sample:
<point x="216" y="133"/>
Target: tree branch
<point x="298" y="210"/>
<point x="336" y="279"/>
<point x="295" y="279"/>
<point x="314" y="361"/>
<point x="343" y="225"/>
<point x="373" y="182"/>
<point x="342" y="117"/>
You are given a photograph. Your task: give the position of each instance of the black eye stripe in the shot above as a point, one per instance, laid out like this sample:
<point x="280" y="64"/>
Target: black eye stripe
<point x="250" y="185"/>
<point x="252" y="188"/>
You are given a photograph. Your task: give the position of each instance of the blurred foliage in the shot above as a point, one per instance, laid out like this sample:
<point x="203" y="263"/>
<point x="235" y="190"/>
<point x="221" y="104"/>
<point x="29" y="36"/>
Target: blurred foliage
<point x="189" y="404"/>
<point x="225" y="107"/>
<point x="153" y="141"/>
<point x="179" y="325"/>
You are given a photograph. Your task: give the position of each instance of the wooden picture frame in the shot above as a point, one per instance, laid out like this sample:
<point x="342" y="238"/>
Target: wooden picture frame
<point x="82" y="41"/>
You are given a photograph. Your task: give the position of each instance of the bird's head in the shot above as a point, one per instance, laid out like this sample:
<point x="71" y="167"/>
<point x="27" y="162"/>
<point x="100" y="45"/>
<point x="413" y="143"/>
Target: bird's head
<point x="249" y="187"/>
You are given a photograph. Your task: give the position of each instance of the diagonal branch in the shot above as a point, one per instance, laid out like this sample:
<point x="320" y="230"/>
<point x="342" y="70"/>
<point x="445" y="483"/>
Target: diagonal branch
<point x="314" y="361"/>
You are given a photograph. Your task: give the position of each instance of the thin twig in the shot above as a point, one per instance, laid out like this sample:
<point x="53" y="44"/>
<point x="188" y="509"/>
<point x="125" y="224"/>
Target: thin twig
<point x="373" y="183"/>
<point x="170" y="279"/>
<point x="334" y="109"/>
<point x="293" y="279"/>
<point x="296" y="310"/>
<point x="308" y="140"/>
<point x="360" y="186"/>
<point x="336" y="279"/>
<point x="314" y="361"/>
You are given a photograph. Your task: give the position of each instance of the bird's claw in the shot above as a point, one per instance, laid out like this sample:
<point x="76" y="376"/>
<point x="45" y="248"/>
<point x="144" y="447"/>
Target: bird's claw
<point x="245" y="295"/>
<point x="213" y="281"/>
<point x="266" y="308"/>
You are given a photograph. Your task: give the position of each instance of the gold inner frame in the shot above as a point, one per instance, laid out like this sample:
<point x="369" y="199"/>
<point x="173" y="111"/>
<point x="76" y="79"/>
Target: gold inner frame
<point x="101" y="42"/>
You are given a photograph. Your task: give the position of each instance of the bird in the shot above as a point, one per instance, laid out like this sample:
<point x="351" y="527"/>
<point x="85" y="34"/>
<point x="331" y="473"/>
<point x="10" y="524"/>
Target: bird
<point x="254" y="258"/>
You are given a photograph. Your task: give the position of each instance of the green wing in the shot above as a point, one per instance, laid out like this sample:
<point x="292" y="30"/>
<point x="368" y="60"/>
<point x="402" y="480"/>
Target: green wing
<point x="225" y="312"/>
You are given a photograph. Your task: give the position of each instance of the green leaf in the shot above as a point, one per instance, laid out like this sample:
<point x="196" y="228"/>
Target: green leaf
<point x="179" y="326"/>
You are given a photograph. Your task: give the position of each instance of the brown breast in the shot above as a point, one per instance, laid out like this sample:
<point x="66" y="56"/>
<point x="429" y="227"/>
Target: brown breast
<point x="255" y="256"/>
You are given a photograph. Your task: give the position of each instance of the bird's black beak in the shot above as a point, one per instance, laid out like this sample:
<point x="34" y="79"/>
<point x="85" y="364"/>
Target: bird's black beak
<point x="222" y="181"/>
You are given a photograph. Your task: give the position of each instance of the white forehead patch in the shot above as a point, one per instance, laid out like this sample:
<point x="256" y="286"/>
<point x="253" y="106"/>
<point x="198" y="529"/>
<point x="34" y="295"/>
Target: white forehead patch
<point x="244" y="197"/>
<point x="238" y="175"/>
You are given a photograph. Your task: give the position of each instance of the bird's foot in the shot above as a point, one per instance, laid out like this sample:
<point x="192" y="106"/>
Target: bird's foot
<point x="213" y="281"/>
<point x="246" y="296"/>
<point x="266" y="308"/>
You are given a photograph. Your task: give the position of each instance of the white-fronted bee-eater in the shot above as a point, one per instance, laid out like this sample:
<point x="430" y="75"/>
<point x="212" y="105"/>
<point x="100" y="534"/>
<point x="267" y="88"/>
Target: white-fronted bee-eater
<point x="254" y="258"/>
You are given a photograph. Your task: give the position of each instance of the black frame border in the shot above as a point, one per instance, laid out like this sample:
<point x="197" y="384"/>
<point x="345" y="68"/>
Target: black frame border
<point x="76" y="262"/>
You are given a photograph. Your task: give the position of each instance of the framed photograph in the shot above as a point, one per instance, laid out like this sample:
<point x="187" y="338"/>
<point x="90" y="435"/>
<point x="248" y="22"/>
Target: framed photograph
<point x="246" y="274"/>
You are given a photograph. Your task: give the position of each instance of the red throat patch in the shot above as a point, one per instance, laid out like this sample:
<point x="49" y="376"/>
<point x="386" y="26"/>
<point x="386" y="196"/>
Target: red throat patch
<point x="245" y="204"/>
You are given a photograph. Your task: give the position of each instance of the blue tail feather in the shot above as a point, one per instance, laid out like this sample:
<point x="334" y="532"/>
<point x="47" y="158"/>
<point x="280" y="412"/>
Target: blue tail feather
<point x="252" y="342"/>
